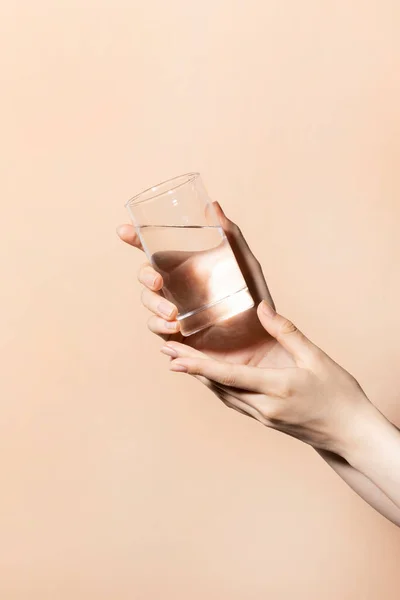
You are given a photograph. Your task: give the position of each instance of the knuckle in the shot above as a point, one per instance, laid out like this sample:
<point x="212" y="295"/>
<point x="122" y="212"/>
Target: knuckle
<point x="272" y="413"/>
<point x="284" y="389"/>
<point x="229" y="379"/>
<point x="195" y="368"/>
<point x="288" y="327"/>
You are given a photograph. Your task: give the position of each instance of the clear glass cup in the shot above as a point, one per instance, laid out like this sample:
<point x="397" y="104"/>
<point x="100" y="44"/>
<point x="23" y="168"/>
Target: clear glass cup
<point x="184" y="241"/>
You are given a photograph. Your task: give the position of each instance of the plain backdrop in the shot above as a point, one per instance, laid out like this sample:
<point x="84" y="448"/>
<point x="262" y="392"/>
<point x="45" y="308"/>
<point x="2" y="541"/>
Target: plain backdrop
<point x="120" y="480"/>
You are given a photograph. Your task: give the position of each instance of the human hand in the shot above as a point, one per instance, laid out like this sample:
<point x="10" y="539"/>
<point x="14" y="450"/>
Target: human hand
<point x="314" y="400"/>
<point x="240" y="339"/>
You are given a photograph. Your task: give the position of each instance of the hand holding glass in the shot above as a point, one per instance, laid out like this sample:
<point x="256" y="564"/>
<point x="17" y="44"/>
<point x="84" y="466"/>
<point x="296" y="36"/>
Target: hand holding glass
<point x="183" y="239"/>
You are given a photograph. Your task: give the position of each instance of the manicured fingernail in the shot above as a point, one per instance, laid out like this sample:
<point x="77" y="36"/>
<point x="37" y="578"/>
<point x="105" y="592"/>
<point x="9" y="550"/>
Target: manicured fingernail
<point x="267" y="309"/>
<point x="150" y="279"/>
<point x="169" y="351"/>
<point x="173" y="325"/>
<point x="165" y="309"/>
<point x="178" y="367"/>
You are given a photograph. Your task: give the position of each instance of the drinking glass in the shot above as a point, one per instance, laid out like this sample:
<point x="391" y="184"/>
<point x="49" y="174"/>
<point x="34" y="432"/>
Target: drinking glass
<point x="183" y="239"/>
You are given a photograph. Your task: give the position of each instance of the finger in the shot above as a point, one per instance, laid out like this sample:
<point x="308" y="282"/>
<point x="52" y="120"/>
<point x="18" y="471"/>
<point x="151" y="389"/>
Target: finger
<point x="172" y="349"/>
<point x="162" y="327"/>
<point x="286" y="333"/>
<point x="244" y="409"/>
<point x="159" y="305"/>
<point x="150" y="278"/>
<point x="274" y="380"/>
<point x="230" y="375"/>
<point x="232" y="230"/>
<point x="231" y="402"/>
<point x="249" y="265"/>
<point x="169" y="350"/>
<point x="176" y="349"/>
<point x="128" y="234"/>
<point x="235" y="401"/>
<point x="247" y="404"/>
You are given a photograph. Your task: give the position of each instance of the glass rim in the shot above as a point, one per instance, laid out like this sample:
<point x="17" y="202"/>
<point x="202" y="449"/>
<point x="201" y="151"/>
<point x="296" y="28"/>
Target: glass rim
<point x="143" y="196"/>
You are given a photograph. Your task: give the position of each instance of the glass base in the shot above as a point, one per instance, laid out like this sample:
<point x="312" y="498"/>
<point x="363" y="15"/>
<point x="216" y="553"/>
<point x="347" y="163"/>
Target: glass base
<point x="206" y="316"/>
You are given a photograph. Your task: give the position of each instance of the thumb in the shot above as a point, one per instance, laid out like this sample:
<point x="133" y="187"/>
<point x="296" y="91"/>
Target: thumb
<point x="231" y="229"/>
<point x="248" y="263"/>
<point x="286" y="333"/>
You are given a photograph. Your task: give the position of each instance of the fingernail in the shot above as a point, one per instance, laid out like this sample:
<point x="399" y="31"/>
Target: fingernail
<point x="150" y="280"/>
<point x="267" y="309"/>
<point x="165" y="309"/>
<point x="169" y="351"/>
<point x="178" y="367"/>
<point x="171" y="324"/>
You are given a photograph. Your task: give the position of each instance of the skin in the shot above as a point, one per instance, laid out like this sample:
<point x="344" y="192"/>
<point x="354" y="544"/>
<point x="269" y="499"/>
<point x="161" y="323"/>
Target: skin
<point x="261" y="365"/>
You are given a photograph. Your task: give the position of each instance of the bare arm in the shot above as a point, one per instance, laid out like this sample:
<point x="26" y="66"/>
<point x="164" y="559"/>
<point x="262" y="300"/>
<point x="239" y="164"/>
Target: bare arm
<point x="369" y="462"/>
<point x="374" y="451"/>
<point x="363" y="486"/>
<point x="318" y="402"/>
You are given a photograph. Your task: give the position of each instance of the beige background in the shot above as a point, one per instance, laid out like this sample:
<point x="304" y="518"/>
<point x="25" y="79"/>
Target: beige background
<point x="118" y="479"/>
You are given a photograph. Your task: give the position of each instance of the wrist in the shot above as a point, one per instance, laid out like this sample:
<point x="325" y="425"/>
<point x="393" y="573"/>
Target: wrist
<point x="366" y="435"/>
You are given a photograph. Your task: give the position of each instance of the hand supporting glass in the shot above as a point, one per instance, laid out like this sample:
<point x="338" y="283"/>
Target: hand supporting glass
<point x="183" y="239"/>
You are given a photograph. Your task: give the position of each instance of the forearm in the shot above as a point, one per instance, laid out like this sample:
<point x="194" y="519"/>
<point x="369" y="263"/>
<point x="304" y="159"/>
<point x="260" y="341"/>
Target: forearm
<point x="363" y="486"/>
<point x="367" y="456"/>
<point x="374" y="451"/>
